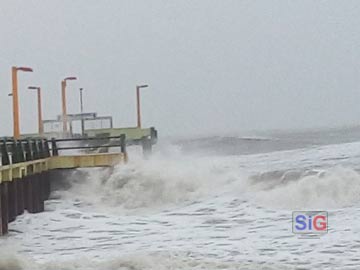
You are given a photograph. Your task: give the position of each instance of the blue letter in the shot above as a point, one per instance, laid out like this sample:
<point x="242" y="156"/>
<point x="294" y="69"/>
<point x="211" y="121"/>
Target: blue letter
<point x="300" y="219"/>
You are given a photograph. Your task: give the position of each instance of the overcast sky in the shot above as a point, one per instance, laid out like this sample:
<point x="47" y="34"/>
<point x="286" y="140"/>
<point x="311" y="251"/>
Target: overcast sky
<point x="212" y="66"/>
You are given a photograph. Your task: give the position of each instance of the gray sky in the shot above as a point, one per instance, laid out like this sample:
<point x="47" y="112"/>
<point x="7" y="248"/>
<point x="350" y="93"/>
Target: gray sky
<point x="213" y="66"/>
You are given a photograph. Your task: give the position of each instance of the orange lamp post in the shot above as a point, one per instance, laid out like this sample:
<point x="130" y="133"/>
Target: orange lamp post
<point x="40" y="121"/>
<point x="63" y="99"/>
<point x="138" y="87"/>
<point x="15" y="98"/>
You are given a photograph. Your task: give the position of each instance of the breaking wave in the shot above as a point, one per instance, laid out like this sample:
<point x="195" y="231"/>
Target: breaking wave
<point x="332" y="188"/>
<point x="172" y="180"/>
<point x="179" y="211"/>
<point x="148" y="184"/>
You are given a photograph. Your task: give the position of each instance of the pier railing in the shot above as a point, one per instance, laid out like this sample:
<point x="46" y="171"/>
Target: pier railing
<point x="91" y="143"/>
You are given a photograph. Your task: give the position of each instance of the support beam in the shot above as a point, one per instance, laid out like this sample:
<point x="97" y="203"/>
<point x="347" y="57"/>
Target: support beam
<point x="86" y="161"/>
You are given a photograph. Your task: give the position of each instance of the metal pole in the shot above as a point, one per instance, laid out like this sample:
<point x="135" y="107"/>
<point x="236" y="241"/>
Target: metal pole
<point x="63" y="98"/>
<point x="15" y="103"/>
<point x="81" y="100"/>
<point x="41" y="126"/>
<point x="82" y="111"/>
<point x="138" y="106"/>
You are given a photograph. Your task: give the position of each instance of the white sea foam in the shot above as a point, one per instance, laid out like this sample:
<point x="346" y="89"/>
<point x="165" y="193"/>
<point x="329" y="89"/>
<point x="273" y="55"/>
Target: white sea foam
<point x="161" y="261"/>
<point x="177" y="211"/>
<point x="172" y="179"/>
<point x="333" y="188"/>
<point x="9" y="257"/>
<point x="150" y="184"/>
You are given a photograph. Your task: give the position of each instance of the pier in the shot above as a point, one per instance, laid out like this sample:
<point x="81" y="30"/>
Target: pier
<point x="31" y="162"/>
<point x="29" y="166"/>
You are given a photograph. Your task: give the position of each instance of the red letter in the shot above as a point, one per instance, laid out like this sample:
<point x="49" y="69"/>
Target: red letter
<point x="322" y="224"/>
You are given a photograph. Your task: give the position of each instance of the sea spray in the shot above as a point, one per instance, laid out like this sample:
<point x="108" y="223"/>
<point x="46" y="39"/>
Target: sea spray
<point x="149" y="184"/>
<point x="167" y="180"/>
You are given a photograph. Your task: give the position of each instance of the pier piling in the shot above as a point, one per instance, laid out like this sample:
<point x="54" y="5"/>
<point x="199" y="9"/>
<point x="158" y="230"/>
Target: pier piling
<point x="12" y="200"/>
<point x="20" y="196"/>
<point x="4" y="214"/>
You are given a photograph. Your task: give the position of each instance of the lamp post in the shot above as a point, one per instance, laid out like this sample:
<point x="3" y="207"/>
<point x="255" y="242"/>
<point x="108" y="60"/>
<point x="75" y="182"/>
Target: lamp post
<point x="138" y="87"/>
<point x="82" y="111"/>
<point x="63" y="99"/>
<point x="15" y="98"/>
<point x="40" y="122"/>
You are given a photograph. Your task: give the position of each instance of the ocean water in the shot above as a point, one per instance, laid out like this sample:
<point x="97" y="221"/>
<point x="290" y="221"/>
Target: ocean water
<point x="201" y="203"/>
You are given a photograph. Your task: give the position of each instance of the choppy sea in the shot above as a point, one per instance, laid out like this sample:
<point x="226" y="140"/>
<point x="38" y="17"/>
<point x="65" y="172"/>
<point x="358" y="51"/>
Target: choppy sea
<point x="220" y="202"/>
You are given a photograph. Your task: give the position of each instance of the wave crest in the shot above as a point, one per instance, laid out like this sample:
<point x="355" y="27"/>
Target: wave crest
<point x="337" y="187"/>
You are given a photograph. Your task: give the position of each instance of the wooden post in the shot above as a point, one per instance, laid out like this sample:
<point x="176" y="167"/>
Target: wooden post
<point x="20" y="196"/>
<point x="41" y="195"/>
<point x="4" y="203"/>
<point x="30" y="206"/>
<point x="19" y="183"/>
<point x="12" y="200"/>
<point x="4" y="215"/>
<point x="35" y="201"/>
<point x="45" y="185"/>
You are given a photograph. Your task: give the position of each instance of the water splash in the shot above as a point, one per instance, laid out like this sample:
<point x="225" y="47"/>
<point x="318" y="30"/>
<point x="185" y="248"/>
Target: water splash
<point x="149" y="185"/>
